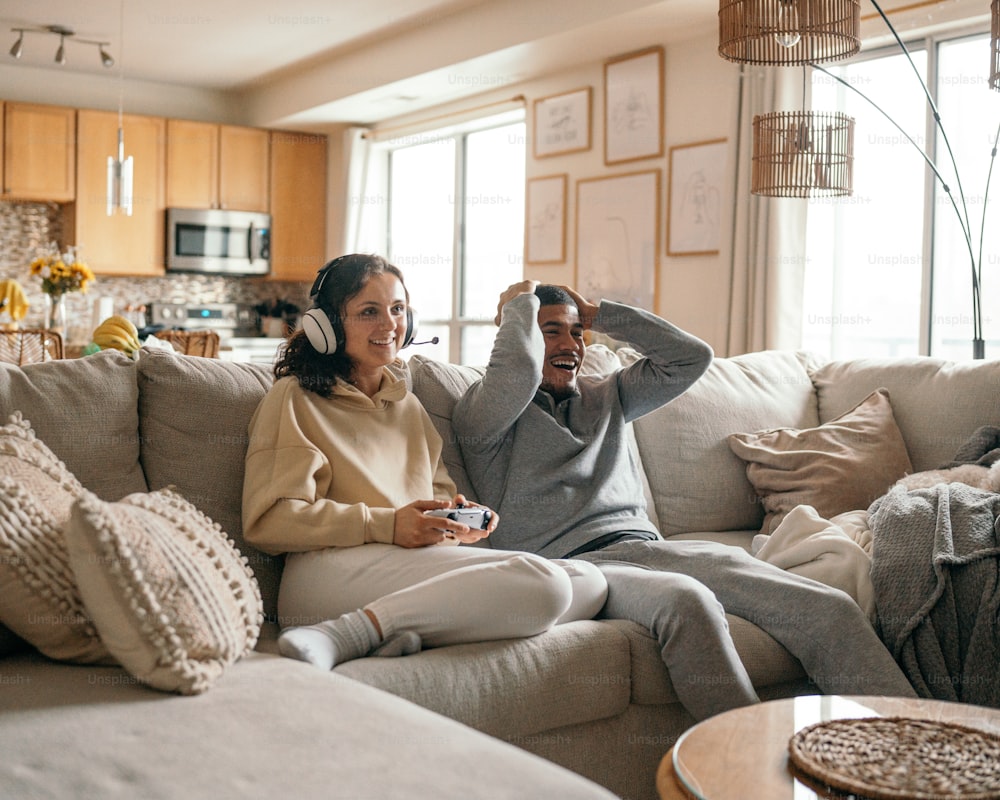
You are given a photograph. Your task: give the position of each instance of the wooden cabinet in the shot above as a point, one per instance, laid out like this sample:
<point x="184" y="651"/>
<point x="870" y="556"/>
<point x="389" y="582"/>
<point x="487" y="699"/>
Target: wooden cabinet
<point x="192" y="164"/>
<point x="217" y="166"/>
<point x="39" y="152"/>
<point x="298" y="205"/>
<point x="119" y="244"/>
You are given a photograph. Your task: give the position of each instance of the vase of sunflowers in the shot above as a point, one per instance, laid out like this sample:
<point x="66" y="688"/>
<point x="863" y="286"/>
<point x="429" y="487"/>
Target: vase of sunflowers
<point x="61" y="273"/>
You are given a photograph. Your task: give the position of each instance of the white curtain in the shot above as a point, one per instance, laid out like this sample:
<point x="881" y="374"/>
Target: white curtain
<point x="765" y="308"/>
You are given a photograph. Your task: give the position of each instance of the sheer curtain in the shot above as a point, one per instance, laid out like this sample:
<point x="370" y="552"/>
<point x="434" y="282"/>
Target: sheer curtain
<point x="768" y="259"/>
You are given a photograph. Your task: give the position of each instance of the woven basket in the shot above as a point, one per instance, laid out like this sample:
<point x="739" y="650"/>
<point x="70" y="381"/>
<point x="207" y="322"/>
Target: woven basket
<point x="896" y="758"/>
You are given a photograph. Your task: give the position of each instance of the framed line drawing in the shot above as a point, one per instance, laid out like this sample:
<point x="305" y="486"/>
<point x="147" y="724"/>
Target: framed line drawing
<point x="618" y="237"/>
<point x="633" y="106"/>
<point x="562" y="123"/>
<point x="694" y="202"/>
<point x="545" y="220"/>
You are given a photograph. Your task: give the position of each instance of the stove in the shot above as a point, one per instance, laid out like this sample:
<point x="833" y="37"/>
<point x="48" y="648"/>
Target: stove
<point x="227" y="319"/>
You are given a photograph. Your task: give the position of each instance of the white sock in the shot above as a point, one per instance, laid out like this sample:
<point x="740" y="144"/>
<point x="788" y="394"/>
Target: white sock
<point x="333" y="642"/>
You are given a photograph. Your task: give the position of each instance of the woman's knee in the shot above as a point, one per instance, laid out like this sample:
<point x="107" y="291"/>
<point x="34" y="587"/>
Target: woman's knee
<point x="544" y="590"/>
<point x="590" y="590"/>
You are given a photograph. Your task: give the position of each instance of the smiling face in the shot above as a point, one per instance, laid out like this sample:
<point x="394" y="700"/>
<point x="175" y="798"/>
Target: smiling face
<point x="564" y="348"/>
<point x="374" y="323"/>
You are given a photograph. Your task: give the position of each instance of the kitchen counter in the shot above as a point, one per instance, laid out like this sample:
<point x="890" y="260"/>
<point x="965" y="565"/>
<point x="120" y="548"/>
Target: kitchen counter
<point x="256" y="349"/>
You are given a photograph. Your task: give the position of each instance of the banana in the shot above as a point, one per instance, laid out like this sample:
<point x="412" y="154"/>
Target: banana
<point x="117" y="332"/>
<point x="121" y="322"/>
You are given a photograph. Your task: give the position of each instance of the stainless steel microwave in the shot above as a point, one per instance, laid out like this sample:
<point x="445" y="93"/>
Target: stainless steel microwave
<point x="216" y="241"/>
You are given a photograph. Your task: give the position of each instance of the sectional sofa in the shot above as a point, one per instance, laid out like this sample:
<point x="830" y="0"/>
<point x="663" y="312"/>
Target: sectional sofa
<point x="591" y="698"/>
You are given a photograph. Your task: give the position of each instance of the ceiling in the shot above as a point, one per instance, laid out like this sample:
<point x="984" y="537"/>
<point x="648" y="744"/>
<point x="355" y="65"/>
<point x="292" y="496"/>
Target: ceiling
<point x="308" y="63"/>
<point x="323" y="61"/>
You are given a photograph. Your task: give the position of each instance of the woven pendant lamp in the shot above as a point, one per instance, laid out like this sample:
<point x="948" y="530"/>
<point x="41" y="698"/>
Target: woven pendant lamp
<point x="802" y="154"/>
<point x="788" y="32"/>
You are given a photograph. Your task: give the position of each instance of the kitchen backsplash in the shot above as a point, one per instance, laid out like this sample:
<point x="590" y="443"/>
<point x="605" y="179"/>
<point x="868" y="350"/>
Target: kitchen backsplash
<point x="26" y="230"/>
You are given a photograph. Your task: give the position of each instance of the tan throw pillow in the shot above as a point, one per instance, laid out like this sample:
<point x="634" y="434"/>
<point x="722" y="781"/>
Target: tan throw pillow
<point x="843" y="465"/>
<point x="39" y="600"/>
<point x="173" y="599"/>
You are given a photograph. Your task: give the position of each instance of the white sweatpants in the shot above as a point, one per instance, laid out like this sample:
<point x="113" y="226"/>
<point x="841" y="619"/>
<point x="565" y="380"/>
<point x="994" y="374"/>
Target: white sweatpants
<point x="448" y="595"/>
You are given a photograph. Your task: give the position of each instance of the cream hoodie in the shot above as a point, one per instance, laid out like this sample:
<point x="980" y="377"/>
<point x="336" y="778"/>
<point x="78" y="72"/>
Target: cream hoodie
<point x="331" y="472"/>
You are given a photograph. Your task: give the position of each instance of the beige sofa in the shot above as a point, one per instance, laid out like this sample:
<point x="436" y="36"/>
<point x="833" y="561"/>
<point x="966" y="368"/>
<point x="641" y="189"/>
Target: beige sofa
<point x="590" y="696"/>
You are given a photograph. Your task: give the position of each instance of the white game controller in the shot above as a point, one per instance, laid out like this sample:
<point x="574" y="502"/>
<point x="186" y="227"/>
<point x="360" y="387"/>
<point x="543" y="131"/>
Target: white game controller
<point x="473" y="516"/>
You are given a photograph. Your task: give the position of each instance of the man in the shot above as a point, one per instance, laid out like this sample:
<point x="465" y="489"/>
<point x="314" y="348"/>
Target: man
<point x="549" y="451"/>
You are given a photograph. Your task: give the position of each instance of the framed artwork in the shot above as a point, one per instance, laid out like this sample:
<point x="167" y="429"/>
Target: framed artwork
<point x="562" y="123"/>
<point x="545" y="220"/>
<point x="694" y="203"/>
<point x="618" y="237"/>
<point x="633" y="106"/>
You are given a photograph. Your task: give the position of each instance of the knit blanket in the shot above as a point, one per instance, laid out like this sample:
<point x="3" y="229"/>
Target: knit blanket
<point x="936" y="577"/>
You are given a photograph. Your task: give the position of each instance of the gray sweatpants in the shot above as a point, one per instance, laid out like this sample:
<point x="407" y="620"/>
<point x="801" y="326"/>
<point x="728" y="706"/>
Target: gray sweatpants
<point x="681" y="590"/>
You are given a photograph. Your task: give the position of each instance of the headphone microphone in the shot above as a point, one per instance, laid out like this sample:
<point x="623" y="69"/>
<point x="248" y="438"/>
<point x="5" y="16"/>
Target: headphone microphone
<point x="435" y="340"/>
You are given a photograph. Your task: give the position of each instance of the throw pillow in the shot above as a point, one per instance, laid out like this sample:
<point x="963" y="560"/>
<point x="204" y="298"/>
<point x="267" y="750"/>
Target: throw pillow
<point x="39" y="600"/>
<point x="193" y="417"/>
<point x="840" y="466"/>
<point x="172" y="598"/>
<point x="85" y="410"/>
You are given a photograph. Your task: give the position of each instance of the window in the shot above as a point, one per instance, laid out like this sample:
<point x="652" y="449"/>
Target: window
<point x="455" y="227"/>
<point x="887" y="270"/>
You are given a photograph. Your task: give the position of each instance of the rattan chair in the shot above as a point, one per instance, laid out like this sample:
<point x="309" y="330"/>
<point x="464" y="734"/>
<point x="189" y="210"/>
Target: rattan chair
<point x="30" y="346"/>
<point x="192" y="343"/>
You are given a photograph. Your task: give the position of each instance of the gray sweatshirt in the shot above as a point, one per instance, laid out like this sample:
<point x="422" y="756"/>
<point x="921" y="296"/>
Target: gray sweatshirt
<point x="561" y="475"/>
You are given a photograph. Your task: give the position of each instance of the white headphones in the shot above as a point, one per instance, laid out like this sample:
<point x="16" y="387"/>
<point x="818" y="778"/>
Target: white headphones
<point x="321" y="325"/>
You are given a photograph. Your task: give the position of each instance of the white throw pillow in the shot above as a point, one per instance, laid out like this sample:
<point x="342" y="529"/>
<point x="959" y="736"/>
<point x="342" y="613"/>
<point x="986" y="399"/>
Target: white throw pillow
<point x="172" y="598"/>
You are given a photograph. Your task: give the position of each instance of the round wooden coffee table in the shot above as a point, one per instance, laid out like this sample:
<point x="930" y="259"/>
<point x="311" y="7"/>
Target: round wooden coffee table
<point x="744" y="753"/>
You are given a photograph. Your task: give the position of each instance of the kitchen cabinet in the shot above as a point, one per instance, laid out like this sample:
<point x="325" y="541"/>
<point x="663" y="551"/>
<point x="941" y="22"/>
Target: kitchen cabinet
<point x="217" y="166"/>
<point x="298" y="205"/>
<point x="119" y="244"/>
<point x="39" y="152"/>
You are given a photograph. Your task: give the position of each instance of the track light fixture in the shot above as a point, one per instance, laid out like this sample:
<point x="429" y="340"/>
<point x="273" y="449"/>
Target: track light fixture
<point x="64" y="34"/>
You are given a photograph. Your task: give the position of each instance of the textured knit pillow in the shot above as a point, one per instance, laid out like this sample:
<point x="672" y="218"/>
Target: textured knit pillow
<point x="39" y="600"/>
<point x="173" y="599"/>
<point x="840" y="466"/>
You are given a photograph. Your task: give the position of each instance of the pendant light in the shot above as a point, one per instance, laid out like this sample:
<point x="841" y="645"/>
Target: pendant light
<point x="120" y="167"/>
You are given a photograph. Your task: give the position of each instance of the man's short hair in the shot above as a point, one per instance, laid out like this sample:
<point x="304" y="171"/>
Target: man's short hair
<point x="550" y="295"/>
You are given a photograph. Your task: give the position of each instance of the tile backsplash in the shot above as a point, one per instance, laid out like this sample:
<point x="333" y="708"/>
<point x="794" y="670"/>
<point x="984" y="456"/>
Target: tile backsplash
<point x="26" y="230"/>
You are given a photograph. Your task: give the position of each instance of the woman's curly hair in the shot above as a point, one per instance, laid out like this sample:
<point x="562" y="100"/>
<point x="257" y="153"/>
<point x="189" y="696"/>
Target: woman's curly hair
<point x="315" y="371"/>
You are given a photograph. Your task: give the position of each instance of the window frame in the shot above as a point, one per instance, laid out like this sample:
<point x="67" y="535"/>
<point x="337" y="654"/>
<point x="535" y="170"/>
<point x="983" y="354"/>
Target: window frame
<point x="458" y="321"/>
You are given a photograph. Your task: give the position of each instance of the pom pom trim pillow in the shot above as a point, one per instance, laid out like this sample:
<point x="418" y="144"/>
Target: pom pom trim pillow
<point x="171" y="596"/>
<point x="39" y="600"/>
<point x="842" y="465"/>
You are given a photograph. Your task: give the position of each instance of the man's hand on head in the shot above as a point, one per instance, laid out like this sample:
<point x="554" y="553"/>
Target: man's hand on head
<point x="512" y="291"/>
<point x="587" y="309"/>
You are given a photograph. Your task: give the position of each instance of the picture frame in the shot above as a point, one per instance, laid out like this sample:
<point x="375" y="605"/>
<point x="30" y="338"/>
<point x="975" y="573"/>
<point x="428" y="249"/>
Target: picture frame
<point x="618" y="237"/>
<point x="633" y="106"/>
<point x="694" y="202"/>
<point x="545" y="219"/>
<point x="562" y="123"/>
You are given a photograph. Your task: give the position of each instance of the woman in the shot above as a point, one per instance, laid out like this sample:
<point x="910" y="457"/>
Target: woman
<point x="342" y="469"/>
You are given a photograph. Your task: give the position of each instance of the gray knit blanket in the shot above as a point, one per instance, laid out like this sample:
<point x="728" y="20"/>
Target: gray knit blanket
<point x="936" y="576"/>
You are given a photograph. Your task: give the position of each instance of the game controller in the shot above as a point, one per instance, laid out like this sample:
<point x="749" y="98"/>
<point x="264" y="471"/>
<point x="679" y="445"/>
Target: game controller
<point x="473" y="516"/>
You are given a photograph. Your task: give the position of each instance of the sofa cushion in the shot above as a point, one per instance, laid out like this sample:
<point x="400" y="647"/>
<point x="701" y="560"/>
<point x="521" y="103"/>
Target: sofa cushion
<point x="39" y="599"/>
<point x="572" y="673"/>
<point x="85" y="410"/>
<point x="172" y="599"/>
<point x="937" y="404"/>
<point x="193" y="416"/>
<point x="842" y="465"/>
<point x="698" y="483"/>
<point x="271" y="727"/>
